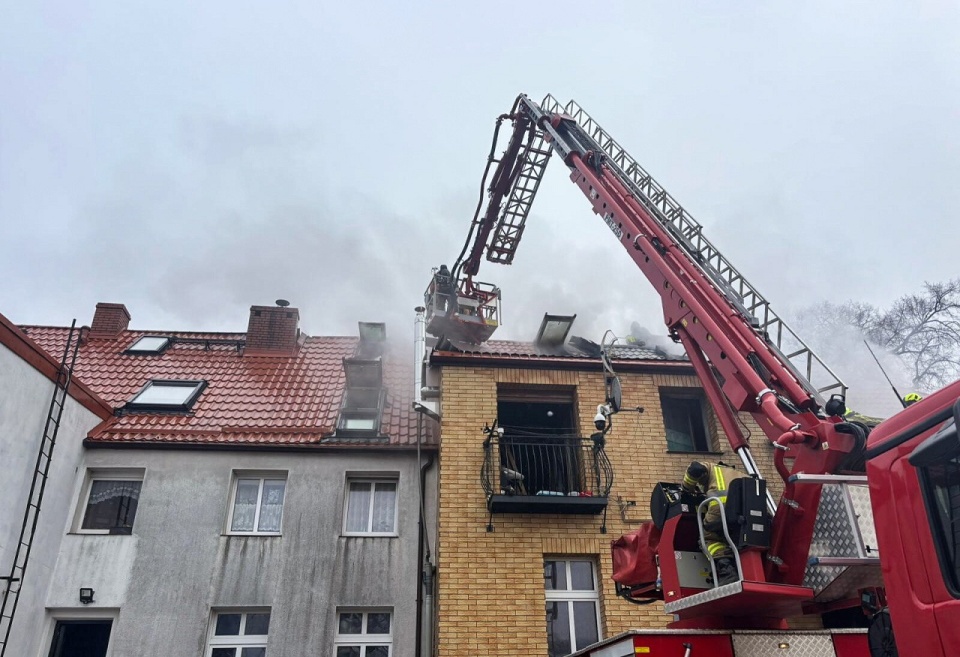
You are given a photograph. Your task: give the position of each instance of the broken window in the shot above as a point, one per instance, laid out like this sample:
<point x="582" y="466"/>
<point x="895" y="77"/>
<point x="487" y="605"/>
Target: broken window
<point x="685" y="420"/>
<point x="363" y="398"/>
<point x="539" y="448"/>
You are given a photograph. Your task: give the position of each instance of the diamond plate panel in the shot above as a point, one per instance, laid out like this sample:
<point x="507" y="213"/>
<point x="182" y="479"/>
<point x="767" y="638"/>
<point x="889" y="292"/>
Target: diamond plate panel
<point x="705" y="596"/>
<point x="860" y="499"/>
<point x="834" y="532"/>
<point x="768" y="645"/>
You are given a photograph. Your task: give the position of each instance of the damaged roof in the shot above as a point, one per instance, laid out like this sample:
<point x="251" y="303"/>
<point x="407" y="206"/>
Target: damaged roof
<point x="291" y="400"/>
<point x="576" y="348"/>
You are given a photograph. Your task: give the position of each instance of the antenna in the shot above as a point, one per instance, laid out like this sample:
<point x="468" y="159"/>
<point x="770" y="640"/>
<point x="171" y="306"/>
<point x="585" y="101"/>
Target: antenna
<point x="877" y="361"/>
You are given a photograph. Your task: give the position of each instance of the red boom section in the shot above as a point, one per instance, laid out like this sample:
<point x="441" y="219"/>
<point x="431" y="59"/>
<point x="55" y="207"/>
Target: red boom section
<point x="727" y="354"/>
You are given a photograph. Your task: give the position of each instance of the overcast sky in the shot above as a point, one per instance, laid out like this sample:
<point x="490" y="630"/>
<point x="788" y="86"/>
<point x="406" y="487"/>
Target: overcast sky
<point x="192" y="159"/>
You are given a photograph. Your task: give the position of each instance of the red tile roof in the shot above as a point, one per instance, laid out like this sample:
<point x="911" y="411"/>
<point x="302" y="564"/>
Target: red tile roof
<point x="284" y="400"/>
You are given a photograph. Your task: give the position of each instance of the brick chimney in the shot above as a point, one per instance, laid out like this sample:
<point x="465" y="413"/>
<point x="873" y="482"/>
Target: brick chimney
<point x="273" y="330"/>
<point x="109" y="320"/>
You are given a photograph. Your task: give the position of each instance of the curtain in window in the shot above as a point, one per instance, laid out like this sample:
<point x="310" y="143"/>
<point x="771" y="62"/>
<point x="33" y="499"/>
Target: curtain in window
<point x="384" y="507"/>
<point x="358" y="506"/>
<point x="103" y="490"/>
<point x="271" y="506"/>
<point x="245" y="505"/>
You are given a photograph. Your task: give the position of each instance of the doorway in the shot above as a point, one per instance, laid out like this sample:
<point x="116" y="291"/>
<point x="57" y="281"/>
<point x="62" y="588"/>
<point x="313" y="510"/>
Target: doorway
<point x="80" y="638"/>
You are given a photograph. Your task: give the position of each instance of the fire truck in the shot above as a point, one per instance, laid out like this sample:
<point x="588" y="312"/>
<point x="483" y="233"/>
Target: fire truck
<point x="869" y="517"/>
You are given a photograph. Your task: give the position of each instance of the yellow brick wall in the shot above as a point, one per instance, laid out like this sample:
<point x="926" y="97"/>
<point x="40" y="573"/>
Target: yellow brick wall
<point x="490" y="585"/>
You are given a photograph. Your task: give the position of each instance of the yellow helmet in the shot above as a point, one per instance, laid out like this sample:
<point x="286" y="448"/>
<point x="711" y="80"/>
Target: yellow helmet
<point x="911" y="398"/>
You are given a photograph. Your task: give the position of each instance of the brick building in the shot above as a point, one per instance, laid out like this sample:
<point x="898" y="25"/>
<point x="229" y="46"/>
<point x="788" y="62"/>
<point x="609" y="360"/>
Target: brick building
<point x="557" y="498"/>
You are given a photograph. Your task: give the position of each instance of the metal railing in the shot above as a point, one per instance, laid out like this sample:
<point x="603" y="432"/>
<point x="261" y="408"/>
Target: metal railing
<point x="545" y="465"/>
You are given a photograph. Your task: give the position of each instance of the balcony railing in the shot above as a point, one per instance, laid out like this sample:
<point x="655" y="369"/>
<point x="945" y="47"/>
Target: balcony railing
<point x="532" y="473"/>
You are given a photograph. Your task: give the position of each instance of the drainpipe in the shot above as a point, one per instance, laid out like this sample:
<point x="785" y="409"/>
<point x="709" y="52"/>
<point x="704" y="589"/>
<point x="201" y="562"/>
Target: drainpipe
<point x="426" y="569"/>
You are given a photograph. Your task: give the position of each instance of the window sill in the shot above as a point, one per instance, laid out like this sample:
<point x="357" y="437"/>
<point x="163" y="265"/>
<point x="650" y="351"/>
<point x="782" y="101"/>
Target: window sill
<point x="707" y="452"/>
<point x="254" y="534"/>
<point x="98" y="532"/>
<point x="368" y="535"/>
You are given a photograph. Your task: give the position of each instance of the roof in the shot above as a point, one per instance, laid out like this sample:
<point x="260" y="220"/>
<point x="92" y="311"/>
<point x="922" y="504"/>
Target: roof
<point x="577" y="351"/>
<point x="248" y="400"/>
<point x="33" y="354"/>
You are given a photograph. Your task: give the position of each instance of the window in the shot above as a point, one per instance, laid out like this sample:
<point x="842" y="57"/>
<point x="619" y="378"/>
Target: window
<point x="257" y="506"/>
<point x="573" y="609"/>
<point x="684" y="420"/>
<point x="363" y="399"/>
<point x="110" y="502"/>
<point x="160" y="395"/>
<point x="239" y="634"/>
<point x="941" y="485"/>
<point x="364" y="633"/>
<point x="90" y="638"/>
<point x="371" y="507"/>
<point x="149" y="344"/>
<point x="540" y="448"/>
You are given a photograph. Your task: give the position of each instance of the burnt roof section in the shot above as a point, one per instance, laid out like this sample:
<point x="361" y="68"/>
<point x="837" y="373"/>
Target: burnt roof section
<point x="575" y="349"/>
<point x="265" y="401"/>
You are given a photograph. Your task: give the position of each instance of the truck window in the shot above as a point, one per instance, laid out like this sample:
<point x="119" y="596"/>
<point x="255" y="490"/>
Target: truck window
<point x="941" y="484"/>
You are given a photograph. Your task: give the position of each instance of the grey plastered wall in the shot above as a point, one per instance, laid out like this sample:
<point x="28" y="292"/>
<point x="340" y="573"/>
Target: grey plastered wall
<point x="25" y="397"/>
<point x="179" y="565"/>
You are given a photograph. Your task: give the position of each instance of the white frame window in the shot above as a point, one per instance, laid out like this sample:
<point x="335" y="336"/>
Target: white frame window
<point x="148" y="344"/>
<point x="566" y="590"/>
<point x="261" y="493"/>
<point x="247" y="641"/>
<point x="361" y="514"/>
<point x="166" y="395"/>
<point x="363" y="643"/>
<point x="108" y="485"/>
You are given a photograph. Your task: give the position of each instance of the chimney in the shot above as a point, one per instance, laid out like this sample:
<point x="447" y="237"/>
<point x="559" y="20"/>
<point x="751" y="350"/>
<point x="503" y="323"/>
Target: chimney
<point x="273" y="330"/>
<point x="109" y="320"/>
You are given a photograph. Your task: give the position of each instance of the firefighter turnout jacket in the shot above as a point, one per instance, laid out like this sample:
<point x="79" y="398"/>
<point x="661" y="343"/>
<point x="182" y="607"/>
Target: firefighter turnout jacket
<point x="712" y="480"/>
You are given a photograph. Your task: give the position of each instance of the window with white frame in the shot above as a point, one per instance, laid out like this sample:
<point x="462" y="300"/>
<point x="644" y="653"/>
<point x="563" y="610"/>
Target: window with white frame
<point x="364" y="633"/>
<point x="239" y="633"/>
<point x="371" y="507"/>
<point x="257" y="503"/>
<point x="110" y="501"/>
<point x="166" y="395"/>
<point x="573" y="605"/>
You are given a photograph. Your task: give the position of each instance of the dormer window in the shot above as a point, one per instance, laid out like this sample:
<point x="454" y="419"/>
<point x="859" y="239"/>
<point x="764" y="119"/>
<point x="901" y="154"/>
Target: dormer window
<point x="149" y="344"/>
<point x="162" y="395"/>
<point x="363" y="399"/>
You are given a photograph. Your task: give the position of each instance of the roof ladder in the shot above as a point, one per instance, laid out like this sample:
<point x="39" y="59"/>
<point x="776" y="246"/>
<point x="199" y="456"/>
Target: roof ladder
<point x="13" y="583"/>
<point x="506" y="237"/>
<point x="815" y="375"/>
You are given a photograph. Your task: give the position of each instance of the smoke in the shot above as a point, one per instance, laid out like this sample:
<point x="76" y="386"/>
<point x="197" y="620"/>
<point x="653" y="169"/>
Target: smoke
<point x="842" y="348"/>
<point x="644" y="337"/>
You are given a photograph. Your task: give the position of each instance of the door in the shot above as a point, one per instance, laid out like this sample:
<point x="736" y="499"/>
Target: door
<point x="74" y="638"/>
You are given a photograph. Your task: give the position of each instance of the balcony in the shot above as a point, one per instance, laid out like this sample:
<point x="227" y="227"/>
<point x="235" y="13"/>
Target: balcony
<point x="532" y="473"/>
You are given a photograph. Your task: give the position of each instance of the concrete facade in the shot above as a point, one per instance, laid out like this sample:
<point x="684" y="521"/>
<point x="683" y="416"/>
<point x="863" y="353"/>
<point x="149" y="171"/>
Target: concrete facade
<point x="491" y="584"/>
<point x="163" y="582"/>
<point x="25" y="394"/>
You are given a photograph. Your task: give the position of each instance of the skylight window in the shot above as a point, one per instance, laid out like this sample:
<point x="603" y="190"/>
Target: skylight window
<point x="160" y="395"/>
<point x="149" y="344"/>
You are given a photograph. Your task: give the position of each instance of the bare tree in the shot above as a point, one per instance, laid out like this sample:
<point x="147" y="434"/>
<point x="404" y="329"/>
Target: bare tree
<point x="923" y="329"/>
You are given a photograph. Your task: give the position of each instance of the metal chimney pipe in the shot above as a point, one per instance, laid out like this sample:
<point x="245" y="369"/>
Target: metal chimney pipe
<point x="419" y="351"/>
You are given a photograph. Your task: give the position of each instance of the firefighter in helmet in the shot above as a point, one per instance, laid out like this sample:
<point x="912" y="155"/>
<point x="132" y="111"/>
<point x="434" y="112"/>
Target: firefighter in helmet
<point x="910" y="399"/>
<point x="712" y="480"/>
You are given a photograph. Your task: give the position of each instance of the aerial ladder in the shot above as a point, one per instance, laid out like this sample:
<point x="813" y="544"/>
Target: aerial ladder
<point x="745" y="355"/>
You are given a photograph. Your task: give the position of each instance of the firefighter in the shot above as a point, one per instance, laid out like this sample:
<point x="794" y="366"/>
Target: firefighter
<point x="712" y="480"/>
<point x="910" y="399"/>
<point x="444" y="287"/>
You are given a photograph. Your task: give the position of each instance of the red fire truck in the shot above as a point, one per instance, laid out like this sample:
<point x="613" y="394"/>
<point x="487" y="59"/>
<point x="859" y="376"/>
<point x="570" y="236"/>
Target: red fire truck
<point x="869" y="517"/>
